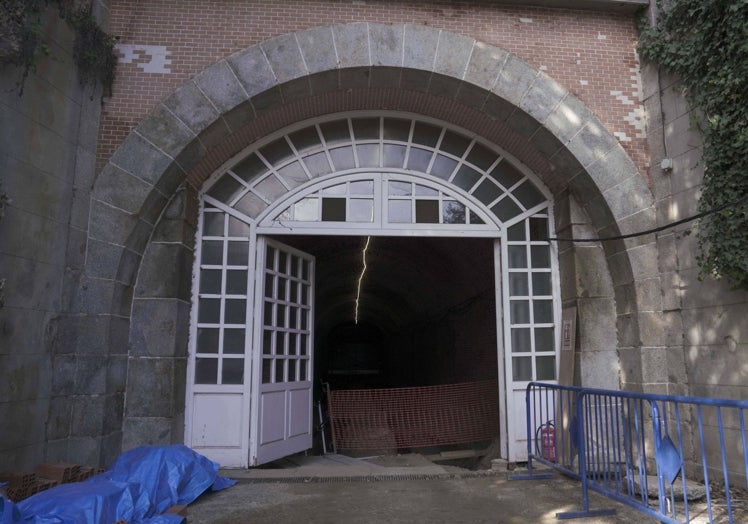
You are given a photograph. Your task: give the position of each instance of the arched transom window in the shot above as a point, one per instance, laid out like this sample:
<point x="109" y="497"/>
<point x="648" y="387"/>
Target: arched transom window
<point x="461" y="181"/>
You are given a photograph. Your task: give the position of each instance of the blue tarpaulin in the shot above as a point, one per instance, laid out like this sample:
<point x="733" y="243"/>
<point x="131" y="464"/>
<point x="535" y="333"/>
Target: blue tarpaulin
<point x="142" y="484"/>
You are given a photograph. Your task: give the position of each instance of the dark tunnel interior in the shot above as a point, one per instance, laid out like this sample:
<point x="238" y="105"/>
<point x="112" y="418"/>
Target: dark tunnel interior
<point x="426" y="310"/>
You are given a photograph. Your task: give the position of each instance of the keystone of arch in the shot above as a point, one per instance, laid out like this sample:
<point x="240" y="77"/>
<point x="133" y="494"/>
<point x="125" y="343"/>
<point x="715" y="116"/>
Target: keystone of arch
<point x="202" y="118"/>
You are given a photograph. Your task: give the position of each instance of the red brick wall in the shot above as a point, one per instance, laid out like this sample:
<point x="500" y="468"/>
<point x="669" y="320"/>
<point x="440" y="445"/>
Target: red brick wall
<point x="591" y="54"/>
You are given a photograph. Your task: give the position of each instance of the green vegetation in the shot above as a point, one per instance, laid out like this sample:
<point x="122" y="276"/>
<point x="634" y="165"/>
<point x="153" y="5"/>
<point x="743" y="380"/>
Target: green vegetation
<point x="22" y="41"/>
<point x="705" y="43"/>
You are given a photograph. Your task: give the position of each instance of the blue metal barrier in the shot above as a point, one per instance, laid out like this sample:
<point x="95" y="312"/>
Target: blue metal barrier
<point x="648" y="451"/>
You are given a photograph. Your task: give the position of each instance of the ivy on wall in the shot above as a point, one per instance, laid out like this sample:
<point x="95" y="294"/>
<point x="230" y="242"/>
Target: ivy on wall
<point x="705" y="43"/>
<point x="22" y="42"/>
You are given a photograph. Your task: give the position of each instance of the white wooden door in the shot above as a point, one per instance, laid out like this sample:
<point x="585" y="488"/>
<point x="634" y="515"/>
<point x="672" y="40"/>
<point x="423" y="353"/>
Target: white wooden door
<point x="282" y="378"/>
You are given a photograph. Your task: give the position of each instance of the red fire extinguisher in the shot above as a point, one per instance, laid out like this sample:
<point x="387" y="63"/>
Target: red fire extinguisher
<point x="547" y="440"/>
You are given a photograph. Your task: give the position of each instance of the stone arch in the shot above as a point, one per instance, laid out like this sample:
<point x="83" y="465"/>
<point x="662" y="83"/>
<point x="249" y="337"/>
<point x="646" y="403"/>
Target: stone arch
<point x="406" y="67"/>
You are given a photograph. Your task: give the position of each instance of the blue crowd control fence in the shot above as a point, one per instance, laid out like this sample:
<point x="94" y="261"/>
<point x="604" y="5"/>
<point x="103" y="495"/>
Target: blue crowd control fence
<point x="670" y="457"/>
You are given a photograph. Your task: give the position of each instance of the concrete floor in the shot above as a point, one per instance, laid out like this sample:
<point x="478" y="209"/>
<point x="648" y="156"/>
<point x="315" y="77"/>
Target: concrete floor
<point x="392" y="489"/>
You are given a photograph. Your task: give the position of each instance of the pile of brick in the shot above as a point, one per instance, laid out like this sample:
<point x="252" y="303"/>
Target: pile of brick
<point x="48" y="475"/>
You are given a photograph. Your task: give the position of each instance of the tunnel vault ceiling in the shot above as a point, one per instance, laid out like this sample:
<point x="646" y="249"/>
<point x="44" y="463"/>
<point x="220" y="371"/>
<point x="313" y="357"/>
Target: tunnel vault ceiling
<point x="409" y="280"/>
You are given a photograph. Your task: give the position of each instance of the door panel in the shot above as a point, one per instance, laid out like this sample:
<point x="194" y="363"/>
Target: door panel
<point x="282" y="381"/>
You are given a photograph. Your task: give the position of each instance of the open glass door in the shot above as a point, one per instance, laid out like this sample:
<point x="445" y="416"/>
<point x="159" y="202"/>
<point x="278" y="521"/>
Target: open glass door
<point x="282" y="364"/>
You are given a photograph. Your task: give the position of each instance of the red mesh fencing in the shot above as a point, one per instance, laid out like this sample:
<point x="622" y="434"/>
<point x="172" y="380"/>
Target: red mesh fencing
<point x="414" y="417"/>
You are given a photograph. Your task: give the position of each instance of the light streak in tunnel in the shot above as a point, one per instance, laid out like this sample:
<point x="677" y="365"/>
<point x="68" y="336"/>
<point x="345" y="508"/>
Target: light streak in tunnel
<point x="361" y="278"/>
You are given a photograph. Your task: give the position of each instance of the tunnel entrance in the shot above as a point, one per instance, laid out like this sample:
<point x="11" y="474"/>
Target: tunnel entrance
<point x="414" y="312"/>
<point x="426" y="310"/>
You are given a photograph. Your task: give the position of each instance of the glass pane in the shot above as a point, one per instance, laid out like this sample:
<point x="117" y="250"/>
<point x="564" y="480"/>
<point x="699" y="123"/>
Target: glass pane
<point x="443" y="167"/>
<point x="362" y="188"/>
<point x="226" y="189"/>
<point x="426" y="134"/>
<point x="538" y="228"/>
<point x="546" y="367"/>
<point x="400" y="188"/>
<point x="293" y="340"/>
<point x="293" y="174"/>
<point x="282" y="262"/>
<point x="304" y="316"/>
<point x="368" y="155"/>
<point x="427" y="211"/>
<point x="540" y="256"/>
<point x="233" y="341"/>
<point x="467" y="177"/>
<point x="277" y="151"/>
<point x="270" y="258"/>
<point x="528" y="194"/>
<point x="280" y="343"/>
<point x="280" y="318"/>
<point x="517" y="232"/>
<point x="206" y="371"/>
<point x="366" y="128"/>
<point x="418" y="159"/>
<point x="207" y="340"/>
<point x="475" y="219"/>
<point x="294" y="295"/>
<point x="279" y="375"/>
<point x="342" y="158"/>
<point x="249" y="168"/>
<point x="293" y="317"/>
<point x="267" y="370"/>
<point x="396" y="129"/>
<point x="212" y="252"/>
<point x="237" y="228"/>
<point x="393" y="156"/>
<point x="522" y="368"/>
<point x="306" y="209"/>
<point x="506" y="174"/>
<point x="518" y="285"/>
<point x="305" y="139"/>
<point x="269" y="288"/>
<point x="292" y="370"/>
<point x="399" y="211"/>
<point x="282" y="286"/>
<point x="454" y="144"/>
<point x="542" y="311"/>
<point x="506" y="209"/>
<point x="236" y="311"/>
<point x="238" y="253"/>
<point x="213" y="224"/>
<point x="544" y="339"/>
<point x="295" y="265"/>
<point x="210" y="281"/>
<point x="267" y="342"/>
<point x="521" y="342"/>
<point x="305" y="295"/>
<point x="481" y="157"/>
<point x="305" y="268"/>
<point x="426" y="191"/>
<point x="232" y="371"/>
<point x="333" y="209"/>
<point x="336" y="132"/>
<point x="302" y="370"/>
<point x="541" y="283"/>
<point x="487" y="192"/>
<point x="268" y="314"/>
<point x="209" y="311"/>
<point x="519" y="311"/>
<point x="302" y="344"/>
<point x="453" y="212"/>
<point x="317" y="164"/>
<point x="337" y="189"/>
<point x="236" y="282"/>
<point x="517" y="256"/>
<point x="361" y="210"/>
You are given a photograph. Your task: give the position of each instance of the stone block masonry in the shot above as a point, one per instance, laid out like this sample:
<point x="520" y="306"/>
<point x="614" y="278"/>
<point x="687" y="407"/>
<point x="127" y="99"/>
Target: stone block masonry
<point x="162" y="44"/>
